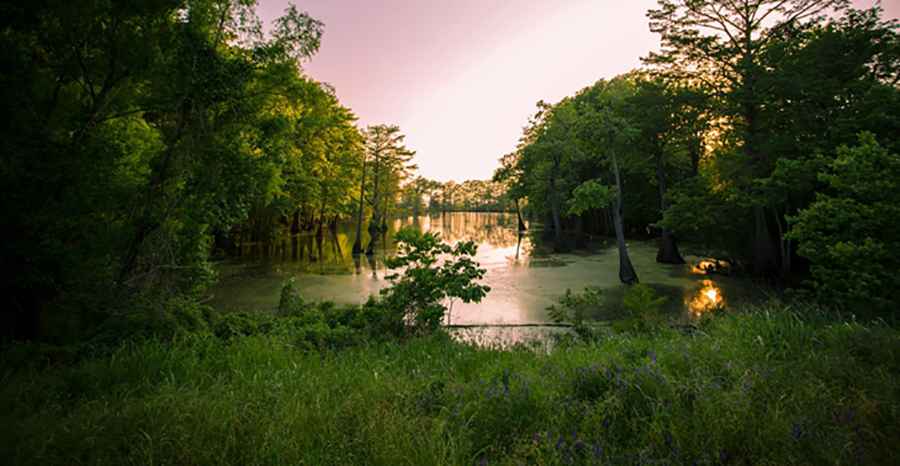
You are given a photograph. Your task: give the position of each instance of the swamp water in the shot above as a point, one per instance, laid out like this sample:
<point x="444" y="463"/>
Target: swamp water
<point x="524" y="275"/>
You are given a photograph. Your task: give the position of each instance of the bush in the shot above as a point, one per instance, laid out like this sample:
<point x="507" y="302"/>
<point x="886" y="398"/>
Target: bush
<point x="433" y="274"/>
<point x="643" y="307"/>
<point x="851" y="233"/>
<point x="175" y="317"/>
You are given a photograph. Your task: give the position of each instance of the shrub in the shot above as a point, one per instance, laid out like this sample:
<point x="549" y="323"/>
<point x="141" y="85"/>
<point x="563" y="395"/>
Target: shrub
<point x="643" y="307"/>
<point x="433" y="273"/>
<point x="851" y="233"/>
<point x="177" y="316"/>
<point x="290" y="302"/>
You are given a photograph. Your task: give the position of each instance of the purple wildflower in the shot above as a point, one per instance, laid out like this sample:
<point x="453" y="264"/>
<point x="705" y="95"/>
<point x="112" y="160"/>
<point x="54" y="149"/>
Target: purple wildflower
<point x="797" y="431"/>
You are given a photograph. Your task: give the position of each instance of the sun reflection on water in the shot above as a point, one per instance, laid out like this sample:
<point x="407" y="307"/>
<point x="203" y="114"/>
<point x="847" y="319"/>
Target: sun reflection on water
<point x="707" y="298"/>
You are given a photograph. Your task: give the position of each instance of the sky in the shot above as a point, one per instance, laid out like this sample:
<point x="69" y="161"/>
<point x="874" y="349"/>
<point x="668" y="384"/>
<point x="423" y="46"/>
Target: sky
<point x="461" y="77"/>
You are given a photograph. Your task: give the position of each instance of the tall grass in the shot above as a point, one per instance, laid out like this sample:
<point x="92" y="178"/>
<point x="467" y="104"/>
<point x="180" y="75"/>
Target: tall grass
<point x="770" y="385"/>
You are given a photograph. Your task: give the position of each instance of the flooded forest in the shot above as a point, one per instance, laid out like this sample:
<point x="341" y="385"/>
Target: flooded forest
<point x="388" y="232"/>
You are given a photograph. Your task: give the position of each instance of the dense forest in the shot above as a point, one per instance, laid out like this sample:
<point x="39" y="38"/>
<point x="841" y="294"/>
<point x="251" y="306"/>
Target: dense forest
<point x="143" y="138"/>
<point x="774" y="147"/>
<point x="147" y="143"/>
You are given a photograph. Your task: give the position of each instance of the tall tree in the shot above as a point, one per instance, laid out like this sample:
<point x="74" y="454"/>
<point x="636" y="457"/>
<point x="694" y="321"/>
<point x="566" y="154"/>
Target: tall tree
<point x="509" y="174"/>
<point x="610" y="134"/>
<point x="390" y="165"/>
<point x="721" y="42"/>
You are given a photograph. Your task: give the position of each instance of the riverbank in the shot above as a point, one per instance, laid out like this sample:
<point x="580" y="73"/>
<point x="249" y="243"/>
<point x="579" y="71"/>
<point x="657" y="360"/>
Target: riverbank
<point x="766" y="385"/>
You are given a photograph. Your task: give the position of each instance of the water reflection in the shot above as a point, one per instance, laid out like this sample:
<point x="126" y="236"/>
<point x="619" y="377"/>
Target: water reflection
<point x="524" y="276"/>
<point x="707" y="298"/>
<point x="329" y="252"/>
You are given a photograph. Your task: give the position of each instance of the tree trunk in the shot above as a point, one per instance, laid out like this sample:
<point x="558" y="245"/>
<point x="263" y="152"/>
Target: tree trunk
<point x="784" y="247"/>
<point x="384" y="214"/>
<point x="357" y="243"/>
<point x="696" y="147"/>
<point x="554" y="212"/>
<point x="668" y="248"/>
<point x="580" y="236"/>
<point x="764" y="261"/>
<point x="627" y="274"/>
<point x="522" y="226"/>
<point x="376" y="216"/>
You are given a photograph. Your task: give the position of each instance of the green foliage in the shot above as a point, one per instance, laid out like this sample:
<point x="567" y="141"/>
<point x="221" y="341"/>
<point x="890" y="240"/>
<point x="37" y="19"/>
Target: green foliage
<point x="177" y="317"/>
<point x="639" y="311"/>
<point x="433" y="273"/>
<point x="145" y="135"/>
<point x="644" y="310"/>
<point x="850" y="232"/>
<point x="591" y="194"/>
<point x="578" y="309"/>
<point x="769" y="385"/>
<point x="641" y="298"/>
<point x="290" y="301"/>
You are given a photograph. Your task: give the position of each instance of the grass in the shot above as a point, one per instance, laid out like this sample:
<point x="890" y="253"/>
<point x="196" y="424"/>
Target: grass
<point x="767" y="385"/>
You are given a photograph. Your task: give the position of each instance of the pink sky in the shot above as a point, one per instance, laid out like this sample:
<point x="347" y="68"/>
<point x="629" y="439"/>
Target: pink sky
<point x="461" y="77"/>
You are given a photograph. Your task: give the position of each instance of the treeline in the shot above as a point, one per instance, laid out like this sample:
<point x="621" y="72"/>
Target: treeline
<point x="142" y="136"/>
<point x="424" y="195"/>
<point x="761" y="132"/>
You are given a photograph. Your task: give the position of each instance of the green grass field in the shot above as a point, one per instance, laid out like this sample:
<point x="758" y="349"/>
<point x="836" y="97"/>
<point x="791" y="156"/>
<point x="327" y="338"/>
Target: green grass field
<point x="762" y="386"/>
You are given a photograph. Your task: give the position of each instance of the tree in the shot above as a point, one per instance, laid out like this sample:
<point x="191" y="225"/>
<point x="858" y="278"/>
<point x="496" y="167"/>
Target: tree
<point x="610" y="133"/>
<point x="550" y="149"/>
<point x="851" y="232"/>
<point x="653" y="109"/>
<point x="390" y="165"/>
<point x="509" y="174"/>
<point x="721" y="43"/>
<point x="136" y="136"/>
<point x="570" y="153"/>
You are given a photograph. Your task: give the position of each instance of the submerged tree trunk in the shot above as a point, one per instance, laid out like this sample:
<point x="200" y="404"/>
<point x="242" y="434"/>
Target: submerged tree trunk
<point x="373" y="240"/>
<point x="357" y="243"/>
<point x="668" y="248"/>
<point x="764" y="260"/>
<point x="376" y="216"/>
<point x="627" y="274"/>
<point x="784" y="247"/>
<point x="522" y="226"/>
<point x="554" y="211"/>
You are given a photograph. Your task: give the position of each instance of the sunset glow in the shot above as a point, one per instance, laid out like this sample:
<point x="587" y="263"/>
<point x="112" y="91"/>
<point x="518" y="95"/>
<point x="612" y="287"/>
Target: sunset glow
<point x="461" y="78"/>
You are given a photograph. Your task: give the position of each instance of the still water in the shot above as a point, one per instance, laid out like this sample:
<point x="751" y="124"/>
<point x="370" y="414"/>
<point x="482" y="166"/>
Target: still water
<point x="524" y="275"/>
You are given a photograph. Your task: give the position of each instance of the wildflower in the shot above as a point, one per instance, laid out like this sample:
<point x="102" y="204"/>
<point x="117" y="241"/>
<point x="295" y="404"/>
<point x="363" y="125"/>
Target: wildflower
<point x="652" y="355"/>
<point x="797" y="431"/>
<point x="723" y="456"/>
<point x="848" y="415"/>
<point x="598" y="451"/>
